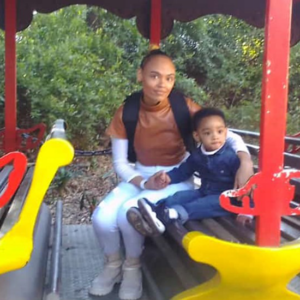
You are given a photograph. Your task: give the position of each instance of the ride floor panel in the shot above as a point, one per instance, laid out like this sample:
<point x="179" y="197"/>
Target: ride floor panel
<point x="82" y="259"/>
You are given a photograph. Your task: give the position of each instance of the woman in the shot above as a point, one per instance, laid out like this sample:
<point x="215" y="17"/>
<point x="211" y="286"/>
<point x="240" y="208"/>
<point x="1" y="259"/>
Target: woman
<point x="158" y="146"/>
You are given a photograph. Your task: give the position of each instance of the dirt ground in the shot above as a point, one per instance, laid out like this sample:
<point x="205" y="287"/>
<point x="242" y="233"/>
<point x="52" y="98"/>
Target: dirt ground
<point x="81" y="186"/>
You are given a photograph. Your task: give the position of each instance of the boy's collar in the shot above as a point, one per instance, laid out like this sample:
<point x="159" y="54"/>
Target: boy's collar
<point x="219" y="151"/>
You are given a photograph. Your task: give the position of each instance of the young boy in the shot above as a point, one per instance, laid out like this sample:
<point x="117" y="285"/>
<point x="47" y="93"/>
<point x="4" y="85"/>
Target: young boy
<point x="215" y="162"/>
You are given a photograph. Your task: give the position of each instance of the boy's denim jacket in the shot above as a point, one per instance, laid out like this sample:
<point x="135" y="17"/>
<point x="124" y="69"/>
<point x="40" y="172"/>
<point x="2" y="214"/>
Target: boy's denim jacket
<point x="217" y="171"/>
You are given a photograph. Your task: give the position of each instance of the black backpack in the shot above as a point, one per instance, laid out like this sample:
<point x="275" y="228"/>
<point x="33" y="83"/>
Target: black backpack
<point x="181" y="115"/>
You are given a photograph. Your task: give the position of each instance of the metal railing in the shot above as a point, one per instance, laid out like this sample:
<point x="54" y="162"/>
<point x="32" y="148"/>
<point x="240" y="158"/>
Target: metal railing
<point x="288" y="140"/>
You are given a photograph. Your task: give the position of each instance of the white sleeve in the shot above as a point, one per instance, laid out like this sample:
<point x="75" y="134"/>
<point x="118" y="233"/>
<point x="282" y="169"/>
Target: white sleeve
<point x="236" y="142"/>
<point x="120" y="162"/>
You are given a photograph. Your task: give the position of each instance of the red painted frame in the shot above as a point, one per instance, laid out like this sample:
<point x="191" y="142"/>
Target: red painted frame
<point x="155" y="24"/>
<point x="272" y="190"/>
<point x="10" y="76"/>
<point x="13" y="140"/>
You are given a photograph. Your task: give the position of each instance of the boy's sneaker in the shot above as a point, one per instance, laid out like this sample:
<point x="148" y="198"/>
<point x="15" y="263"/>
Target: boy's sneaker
<point x="157" y="215"/>
<point x="137" y="221"/>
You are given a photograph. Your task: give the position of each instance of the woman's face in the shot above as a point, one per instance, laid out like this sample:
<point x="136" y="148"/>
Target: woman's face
<point x="158" y="79"/>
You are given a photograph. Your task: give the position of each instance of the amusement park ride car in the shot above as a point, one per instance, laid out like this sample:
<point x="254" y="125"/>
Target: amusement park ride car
<point x="273" y="191"/>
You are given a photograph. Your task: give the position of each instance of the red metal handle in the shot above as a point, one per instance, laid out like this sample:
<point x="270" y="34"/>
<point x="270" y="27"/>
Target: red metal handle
<point x="33" y="141"/>
<point x="19" y="161"/>
<point x="242" y="192"/>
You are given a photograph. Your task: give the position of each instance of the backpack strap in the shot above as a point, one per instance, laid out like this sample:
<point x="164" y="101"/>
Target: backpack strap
<point x="130" y="118"/>
<point x="183" y="118"/>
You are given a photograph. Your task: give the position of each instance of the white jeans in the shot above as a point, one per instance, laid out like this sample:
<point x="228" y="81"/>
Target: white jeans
<point x="109" y="218"/>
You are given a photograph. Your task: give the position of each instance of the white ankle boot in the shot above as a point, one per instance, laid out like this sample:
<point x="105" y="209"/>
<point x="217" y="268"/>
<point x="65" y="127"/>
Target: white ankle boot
<point x="131" y="287"/>
<point x="109" y="276"/>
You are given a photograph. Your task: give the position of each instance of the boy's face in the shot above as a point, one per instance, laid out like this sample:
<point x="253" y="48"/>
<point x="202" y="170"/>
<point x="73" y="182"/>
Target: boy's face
<point x="211" y="132"/>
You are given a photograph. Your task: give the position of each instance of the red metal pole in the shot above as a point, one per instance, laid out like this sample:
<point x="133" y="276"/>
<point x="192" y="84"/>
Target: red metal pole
<point x="155" y="25"/>
<point x="10" y="76"/>
<point x="273" y="120"/>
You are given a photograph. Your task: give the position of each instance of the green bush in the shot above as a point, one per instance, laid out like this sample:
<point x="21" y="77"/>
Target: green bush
<point x="79" y="63"/>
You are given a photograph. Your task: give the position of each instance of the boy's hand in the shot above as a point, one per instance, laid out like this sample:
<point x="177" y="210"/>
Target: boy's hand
<point x="164" y="179"/>
<point x="158" y="181"/>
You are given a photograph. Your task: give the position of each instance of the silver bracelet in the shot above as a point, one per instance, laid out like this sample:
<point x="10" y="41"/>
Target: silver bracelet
<point x="142" y="184"/>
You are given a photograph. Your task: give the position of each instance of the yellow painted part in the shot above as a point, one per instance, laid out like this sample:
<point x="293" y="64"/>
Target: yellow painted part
<point x="244" y="272"/>
<point x="153" y="47"/>
<point x="16" y="246"/>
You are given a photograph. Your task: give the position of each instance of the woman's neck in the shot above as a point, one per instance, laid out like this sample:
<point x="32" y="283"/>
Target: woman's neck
<point x="154" y="107"/>
<point x="150" y="102"/>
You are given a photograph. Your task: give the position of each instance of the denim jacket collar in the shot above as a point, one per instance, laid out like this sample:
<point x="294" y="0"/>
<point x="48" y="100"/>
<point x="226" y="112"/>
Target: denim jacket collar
<point x="220" y="151"/>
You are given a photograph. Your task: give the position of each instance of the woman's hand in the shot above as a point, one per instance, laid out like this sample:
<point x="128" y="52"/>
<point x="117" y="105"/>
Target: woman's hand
<point x="245" y="170"/>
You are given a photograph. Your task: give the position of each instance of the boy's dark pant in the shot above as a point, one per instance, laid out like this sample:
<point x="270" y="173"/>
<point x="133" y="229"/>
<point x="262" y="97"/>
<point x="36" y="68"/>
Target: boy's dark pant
<point x="193" y="205"/>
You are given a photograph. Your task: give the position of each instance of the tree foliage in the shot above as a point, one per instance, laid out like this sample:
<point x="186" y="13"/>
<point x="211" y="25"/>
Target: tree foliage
<point x="79" y="63"/>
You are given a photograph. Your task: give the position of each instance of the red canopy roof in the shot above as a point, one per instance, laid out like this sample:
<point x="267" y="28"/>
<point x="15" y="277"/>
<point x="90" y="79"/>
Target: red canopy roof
<point x="251" y="11"/>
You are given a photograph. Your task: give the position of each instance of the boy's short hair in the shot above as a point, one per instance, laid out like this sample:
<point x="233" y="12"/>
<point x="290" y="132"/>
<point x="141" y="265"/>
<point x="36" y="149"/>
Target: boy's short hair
<point x="204" y="113"/>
